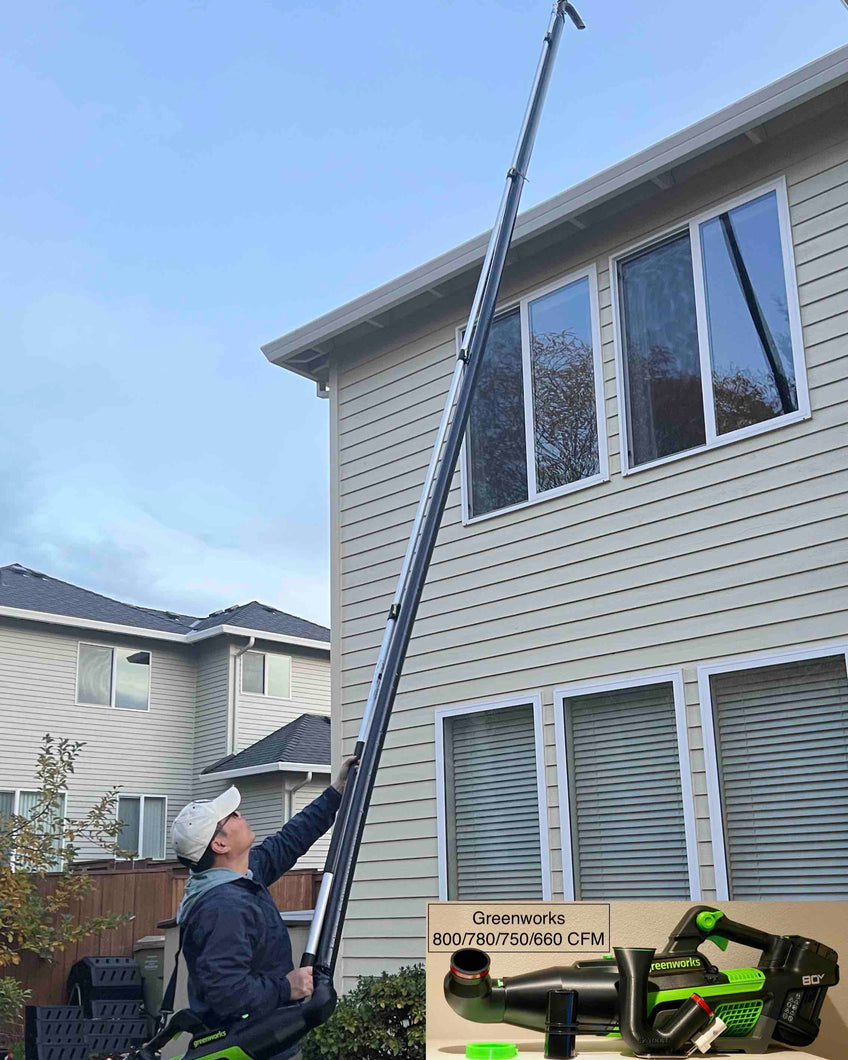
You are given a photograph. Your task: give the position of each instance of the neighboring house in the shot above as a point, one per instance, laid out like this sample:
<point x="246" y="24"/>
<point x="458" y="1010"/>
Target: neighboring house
<point x="171" y="707"/>
<point x="627" y="678"/>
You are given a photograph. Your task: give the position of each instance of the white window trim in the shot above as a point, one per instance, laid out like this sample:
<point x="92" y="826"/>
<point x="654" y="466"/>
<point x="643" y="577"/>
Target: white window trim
<point x="114" y="648"/>
<point x="749" y="662"/>
<point x="534" y="699"/>
<point x="17" y="792"/>
<point x="265" y="695"/>
<point x="713" y="440"/>
<point x="141" y="798"/>
<point x="675" y="679"/>
<point x="534" y="497"/>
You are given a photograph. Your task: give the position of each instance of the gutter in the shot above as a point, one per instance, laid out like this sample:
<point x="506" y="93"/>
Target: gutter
<point x="271" y="767"/>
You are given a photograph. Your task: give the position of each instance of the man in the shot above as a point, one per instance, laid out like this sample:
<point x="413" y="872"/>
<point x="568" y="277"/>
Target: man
<point x="235" y="944"/>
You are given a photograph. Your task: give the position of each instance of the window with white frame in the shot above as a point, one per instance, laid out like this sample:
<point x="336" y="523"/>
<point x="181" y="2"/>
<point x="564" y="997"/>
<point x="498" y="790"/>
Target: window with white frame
<point x="709" y="331"/>
<point x="625" y="796"/>
<point x="778" y="773"/>
<point x="27" y="804"/>
<point x="142" y="819"/>
<point x="113" y="677"/>
<point x="536" y="422"/>
<point x="266" y="674"/>
<point x="494" y="840"/>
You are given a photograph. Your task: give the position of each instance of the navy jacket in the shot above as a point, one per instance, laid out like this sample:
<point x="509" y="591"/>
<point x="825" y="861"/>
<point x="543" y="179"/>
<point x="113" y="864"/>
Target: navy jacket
<point x="235" y="944"/>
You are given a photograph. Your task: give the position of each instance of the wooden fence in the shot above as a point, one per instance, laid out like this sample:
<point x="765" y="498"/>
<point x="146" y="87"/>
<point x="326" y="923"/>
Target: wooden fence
<point x="151" y="890"/>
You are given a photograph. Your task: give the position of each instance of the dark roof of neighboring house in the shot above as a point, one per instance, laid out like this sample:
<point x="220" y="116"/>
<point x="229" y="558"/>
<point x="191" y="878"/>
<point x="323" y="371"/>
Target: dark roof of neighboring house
<point x="262" y="616"/>
<point x="30" y="590"/>
<point x="305" y="740"/>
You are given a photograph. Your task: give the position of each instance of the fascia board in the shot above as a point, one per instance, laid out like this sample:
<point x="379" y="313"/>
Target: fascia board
<point x="770" y="102"/>
<point x="271" y="767"/>
<point x="49" y="618"/>
<point x="89" y="623"/>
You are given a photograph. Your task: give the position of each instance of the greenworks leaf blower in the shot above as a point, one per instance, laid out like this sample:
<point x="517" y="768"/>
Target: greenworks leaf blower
<point x="671" y="1003"/>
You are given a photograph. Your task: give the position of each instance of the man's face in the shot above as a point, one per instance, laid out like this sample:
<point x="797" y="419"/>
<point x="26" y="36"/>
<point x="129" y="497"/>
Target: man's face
<point x="234" y="836"/>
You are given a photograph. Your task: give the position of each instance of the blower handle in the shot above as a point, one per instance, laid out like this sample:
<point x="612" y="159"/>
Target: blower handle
<point x="705" y="923"/>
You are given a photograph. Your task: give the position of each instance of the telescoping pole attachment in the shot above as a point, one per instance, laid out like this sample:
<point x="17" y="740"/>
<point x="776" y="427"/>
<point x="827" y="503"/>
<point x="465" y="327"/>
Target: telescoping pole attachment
<point x="324" y="935"/>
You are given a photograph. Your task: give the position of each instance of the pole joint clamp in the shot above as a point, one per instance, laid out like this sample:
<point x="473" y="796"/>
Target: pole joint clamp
<point x="394" y="611"/>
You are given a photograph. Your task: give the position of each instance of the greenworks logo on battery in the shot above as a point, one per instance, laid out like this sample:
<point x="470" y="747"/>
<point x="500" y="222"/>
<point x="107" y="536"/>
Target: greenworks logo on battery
<point x="209" y="1038"/>
<point x="684" y="962"/>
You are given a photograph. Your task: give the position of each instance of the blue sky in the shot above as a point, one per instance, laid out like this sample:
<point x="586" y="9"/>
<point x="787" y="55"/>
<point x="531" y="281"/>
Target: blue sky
<point x="185" y="180"/>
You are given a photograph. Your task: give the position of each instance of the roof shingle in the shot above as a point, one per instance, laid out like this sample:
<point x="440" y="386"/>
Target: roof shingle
<point x="306" y="740"/>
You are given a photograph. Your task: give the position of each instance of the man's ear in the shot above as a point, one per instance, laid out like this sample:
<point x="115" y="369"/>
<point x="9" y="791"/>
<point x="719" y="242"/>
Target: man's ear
<point x="220" y="844"/>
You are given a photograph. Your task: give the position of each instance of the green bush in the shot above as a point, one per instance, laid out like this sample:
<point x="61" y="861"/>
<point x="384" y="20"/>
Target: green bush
<point x="383" y="1016"/>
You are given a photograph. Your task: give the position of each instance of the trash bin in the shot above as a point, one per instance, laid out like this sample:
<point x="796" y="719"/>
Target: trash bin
<point x="149" y="954"/>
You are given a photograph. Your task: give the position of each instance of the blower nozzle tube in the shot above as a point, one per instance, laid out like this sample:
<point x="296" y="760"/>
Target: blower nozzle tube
<point x="634" y="966"/>
<point x="469" y="990"/>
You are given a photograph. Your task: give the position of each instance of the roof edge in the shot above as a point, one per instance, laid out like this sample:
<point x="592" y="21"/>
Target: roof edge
<point x="53" y="619"/>
<point x="272" y="767"/>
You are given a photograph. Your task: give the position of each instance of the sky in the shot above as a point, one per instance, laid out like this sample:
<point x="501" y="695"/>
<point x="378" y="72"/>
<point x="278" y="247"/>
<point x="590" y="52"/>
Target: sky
<point x="184" y="180"/>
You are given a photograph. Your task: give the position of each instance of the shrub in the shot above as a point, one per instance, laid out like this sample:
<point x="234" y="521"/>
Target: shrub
<point x="383" y="1016"/>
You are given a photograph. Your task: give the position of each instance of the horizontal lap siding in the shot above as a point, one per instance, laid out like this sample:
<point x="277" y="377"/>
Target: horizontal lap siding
<point x="262" y="803"/>
<point x="737" y="550"/>
<point x="318" y="852"/>
<point x="143" y="752"/>
<point x="211" y="727"/>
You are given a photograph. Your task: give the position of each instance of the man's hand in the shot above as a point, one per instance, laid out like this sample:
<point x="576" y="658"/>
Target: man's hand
<point x="341" y="778"/>
<point x="300" y="981"/>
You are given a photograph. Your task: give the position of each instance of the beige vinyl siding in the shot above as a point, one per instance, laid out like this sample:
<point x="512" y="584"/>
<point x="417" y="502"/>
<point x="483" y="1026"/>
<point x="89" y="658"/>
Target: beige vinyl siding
<point x="145" y="752"/>
<point x="262" y="802"/>
<point x="732" y="551"/>
<point x="302" y="797"/>
<point x="213" y="710"/>
<point x="259" y="715"/>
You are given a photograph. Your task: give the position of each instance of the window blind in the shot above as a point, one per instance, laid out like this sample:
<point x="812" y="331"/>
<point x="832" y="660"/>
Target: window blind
<point x="626" y="802"/>
<point x="782" y="749"/>
<point x="493" y="828"/>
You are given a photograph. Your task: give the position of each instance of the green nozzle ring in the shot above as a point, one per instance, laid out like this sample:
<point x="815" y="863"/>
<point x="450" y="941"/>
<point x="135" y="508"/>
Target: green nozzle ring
<point x="490" y="1051"/>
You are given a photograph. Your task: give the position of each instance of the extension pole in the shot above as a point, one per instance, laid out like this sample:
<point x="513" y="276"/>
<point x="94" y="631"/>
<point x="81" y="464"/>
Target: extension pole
<point x="324" y="937"/>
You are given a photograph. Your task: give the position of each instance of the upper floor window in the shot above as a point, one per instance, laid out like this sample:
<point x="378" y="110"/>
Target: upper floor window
<point x="142" y="819"/>
<point x="710" y="332"/>
<point x="266" y="674"/>
<point x="536" y="422"/>
<point x="113" y="677"/>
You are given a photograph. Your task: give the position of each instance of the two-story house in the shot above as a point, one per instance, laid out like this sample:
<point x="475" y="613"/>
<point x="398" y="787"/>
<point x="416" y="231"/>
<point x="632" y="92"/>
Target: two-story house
<point x="628" y="673"/>
<point x="170" y="706"/>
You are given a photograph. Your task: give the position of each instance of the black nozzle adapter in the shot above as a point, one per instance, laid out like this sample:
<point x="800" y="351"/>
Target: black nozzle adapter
<point x="468" y="988"/>
<point x="634" y="967"/>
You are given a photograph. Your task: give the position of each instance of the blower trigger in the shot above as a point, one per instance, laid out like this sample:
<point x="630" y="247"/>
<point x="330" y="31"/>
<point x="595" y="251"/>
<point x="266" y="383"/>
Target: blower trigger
<point x="718" y="940"/>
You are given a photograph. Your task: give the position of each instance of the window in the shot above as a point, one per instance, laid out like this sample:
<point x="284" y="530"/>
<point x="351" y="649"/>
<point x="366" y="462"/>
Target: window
<point x="24" y="804"/>
<point x="492" y="824"/>
<point x="626" y="803"/>
<point x="266" y="674"/>
<point x="710" y="333"/>
<point x="113" y="677"/>
<point x="143" y="820"/>
<point x="536" y="422"/>
<point x="776" y="747"/>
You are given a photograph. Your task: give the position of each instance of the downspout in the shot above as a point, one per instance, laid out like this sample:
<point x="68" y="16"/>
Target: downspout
<point x="233" y="728"/>
<point x="289" y="794"/>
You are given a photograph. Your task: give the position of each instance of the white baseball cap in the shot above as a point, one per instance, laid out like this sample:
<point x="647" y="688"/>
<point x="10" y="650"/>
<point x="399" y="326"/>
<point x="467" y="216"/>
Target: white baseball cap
<point x="195" y="824"/>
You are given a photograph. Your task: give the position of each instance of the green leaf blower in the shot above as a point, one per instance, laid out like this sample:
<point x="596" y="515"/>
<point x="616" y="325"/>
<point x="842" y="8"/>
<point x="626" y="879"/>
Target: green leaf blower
<point x="671" y="1003"/>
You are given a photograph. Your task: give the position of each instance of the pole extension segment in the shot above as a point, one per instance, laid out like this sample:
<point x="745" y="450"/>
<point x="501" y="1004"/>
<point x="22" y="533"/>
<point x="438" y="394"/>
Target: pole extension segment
<point x="323" y="942"/>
